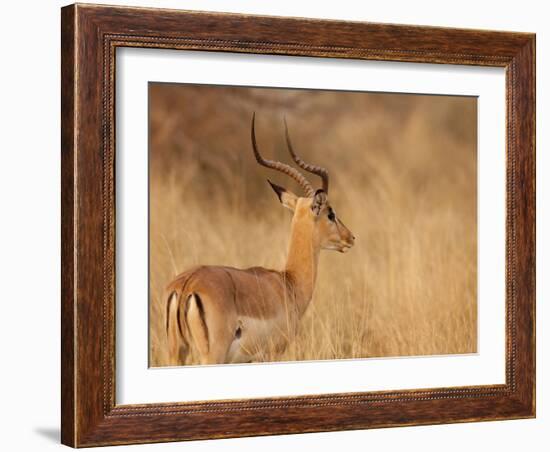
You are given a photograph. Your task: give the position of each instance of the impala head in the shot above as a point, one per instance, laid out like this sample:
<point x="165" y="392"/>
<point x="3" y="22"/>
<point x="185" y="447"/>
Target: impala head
<point x="312" y="212"/>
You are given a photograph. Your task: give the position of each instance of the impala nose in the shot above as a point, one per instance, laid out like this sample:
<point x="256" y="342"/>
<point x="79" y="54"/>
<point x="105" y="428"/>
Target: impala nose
<point x="348" y="243"/>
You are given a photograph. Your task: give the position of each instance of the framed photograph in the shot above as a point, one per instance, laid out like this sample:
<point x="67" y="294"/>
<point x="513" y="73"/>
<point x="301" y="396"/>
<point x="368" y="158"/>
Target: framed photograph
<point x="281" y="225"/>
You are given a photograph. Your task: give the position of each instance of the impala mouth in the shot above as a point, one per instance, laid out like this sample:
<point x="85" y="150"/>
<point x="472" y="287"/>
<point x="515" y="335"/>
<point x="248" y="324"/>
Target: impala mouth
<point x="344" y="248"/>
<point x="341" y="247"/>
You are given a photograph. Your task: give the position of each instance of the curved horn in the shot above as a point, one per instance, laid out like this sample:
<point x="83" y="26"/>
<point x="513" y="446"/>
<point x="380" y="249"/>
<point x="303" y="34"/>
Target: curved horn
<point x="282" y="167"/>
<point x="318" y="170"/>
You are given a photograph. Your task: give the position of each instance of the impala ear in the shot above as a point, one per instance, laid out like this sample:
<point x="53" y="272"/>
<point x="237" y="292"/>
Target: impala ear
<point x="287" y="198"/>
<point x="319" y="202"/>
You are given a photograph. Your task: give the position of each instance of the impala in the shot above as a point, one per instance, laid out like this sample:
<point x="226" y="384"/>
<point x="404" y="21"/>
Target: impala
<point x="228" y="315"/>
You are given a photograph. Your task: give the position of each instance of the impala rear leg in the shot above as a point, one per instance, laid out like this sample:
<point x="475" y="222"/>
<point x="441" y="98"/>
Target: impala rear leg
<point x="178" y="345"/>
<point x="211" y="334"/>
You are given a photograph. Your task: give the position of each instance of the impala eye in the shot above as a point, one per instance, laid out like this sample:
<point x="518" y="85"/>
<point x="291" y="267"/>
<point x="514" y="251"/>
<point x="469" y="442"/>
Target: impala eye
<point x="331" y="215"/>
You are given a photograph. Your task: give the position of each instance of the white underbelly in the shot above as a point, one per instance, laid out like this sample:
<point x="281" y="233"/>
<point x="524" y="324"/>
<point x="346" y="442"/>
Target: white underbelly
<point x="261" y="340"/>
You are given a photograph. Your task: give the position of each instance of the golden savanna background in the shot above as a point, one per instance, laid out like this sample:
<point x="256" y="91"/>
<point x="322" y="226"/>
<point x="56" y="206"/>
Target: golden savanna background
<point x="403" y="179"/>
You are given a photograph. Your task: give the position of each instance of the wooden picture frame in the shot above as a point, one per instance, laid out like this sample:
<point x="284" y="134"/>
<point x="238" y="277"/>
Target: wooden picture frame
<point x="90" y="36"/>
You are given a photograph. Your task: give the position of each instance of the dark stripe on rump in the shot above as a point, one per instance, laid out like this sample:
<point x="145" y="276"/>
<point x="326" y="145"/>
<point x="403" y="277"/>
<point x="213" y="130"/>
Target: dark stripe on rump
<point x="200" y="307"/>
<point x="179" y="314"/>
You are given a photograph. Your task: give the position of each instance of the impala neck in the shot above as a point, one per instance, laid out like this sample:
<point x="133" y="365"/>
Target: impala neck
<point x="302" y="260"/>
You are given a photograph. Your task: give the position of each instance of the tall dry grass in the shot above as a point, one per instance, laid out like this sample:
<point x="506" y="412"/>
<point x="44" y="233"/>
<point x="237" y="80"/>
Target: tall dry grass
<point x="403" y="179"/>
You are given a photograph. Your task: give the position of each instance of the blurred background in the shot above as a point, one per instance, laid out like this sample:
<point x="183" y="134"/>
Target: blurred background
<point x="403" y="179"/>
